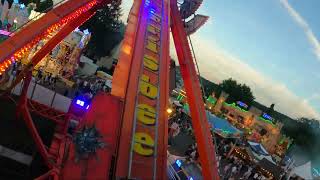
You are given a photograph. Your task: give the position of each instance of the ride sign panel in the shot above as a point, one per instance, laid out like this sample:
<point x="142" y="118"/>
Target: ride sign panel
<point x="144" y="141"/>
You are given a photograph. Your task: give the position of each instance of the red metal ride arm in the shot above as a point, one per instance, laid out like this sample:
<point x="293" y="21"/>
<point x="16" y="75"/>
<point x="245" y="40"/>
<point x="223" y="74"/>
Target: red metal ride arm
<point x="67" y="29"/>
<point x="192" y="86"/>
<point x="37" y="28"/>
<point x="22" y="106"/>
<point x="54" y="41"/>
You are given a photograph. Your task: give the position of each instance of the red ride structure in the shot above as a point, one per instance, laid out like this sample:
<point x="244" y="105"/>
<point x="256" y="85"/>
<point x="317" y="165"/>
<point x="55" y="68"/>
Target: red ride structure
<point x="132" y="120"/>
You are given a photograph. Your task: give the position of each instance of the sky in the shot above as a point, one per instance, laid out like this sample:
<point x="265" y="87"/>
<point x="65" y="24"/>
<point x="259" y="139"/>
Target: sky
<point x="271" y="45"/>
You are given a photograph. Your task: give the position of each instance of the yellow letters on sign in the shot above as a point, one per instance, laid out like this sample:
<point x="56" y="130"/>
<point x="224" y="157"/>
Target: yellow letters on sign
<point x="152" y="46"/>
<point x="153" y="38"/>
<point x="153" y="29"/>
<point x="143" y="144"/>
<point x="146" y="114"/>
<point x="155" y="18"/>
<point x="150" y="62"/>
<point x="148" y="89"/>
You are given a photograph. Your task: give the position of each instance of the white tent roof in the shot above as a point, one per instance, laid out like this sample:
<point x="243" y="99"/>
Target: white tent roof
<point x="260" y="157"/>
<point x="303" y="171"/>
<point x="260" y="145"/>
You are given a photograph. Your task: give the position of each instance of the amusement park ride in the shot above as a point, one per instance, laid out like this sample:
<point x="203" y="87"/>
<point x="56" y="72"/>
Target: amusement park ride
<point x="128" y="129"/>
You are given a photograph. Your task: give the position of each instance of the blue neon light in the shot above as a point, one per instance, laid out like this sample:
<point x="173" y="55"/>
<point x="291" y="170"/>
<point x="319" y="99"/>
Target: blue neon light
<point x="82" y="102"/>
<point x="266" y="116"/>
<point x="242" y="104"/>
<point x="178" y="163"/>
<point x="79" y="102"/>
<point x="22" y="6"/>
<point x="190" y="178"/>
<point x="152" y="10"/>
<point x="147" y="3"/>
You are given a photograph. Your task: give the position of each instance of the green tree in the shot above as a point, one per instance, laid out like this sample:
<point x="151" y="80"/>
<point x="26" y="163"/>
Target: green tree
<point x="107" y="30"/>
<point x="44" y="6"/>
<point x="236" y="91"/>
<point x="208" y="87"/>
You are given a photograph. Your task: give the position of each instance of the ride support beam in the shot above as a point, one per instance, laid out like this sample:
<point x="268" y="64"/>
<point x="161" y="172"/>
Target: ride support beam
<point x="192" y="86"/>
<point x="124" y="73"/>
<point x="52" y="174"/>
<point x="23" y="109"/>
<point x="27" y="75"/>
<point x="164" y="80"/>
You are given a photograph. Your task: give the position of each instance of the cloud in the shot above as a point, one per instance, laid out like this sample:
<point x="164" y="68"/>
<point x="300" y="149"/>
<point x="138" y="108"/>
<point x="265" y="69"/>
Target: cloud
<point x="217" y="65"/>
<point x="305" y="26"/>
<point x="314" y="97"/>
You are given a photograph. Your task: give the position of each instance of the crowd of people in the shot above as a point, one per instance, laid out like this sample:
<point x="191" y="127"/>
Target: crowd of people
<point x="83" y="86"/>
<point x="46" y="79"/>
<point x="179" y="122"/>
<point x="230" y="166"/>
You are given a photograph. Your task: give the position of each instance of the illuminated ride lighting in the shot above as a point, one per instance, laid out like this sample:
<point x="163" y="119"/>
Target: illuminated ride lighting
<point x="178" y="163"/>
<point x="242" y="104"/>
<point x="47" y="33"/>
<point x="6" y="33"/>
<point x="235" y="106"/>
<point x="79" y="102"/>
<point x="169" y="110"/>
<point x="266" y="116"/>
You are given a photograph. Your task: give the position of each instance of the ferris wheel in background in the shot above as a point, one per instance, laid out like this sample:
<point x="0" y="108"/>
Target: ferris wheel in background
<point x="187" y="12"/>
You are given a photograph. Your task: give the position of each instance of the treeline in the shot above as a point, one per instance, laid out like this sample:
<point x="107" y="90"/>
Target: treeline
<point x="107" y="31"/>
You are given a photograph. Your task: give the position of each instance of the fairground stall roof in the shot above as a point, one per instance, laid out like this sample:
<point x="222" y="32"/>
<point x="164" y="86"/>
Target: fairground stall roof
<point x="219" y="125"/>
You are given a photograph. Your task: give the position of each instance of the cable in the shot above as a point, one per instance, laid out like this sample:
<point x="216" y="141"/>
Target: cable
<point x="197" y="67"/>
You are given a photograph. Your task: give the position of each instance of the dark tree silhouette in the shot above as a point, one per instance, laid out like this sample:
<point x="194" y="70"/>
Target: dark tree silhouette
<point x="236" y="91"/>
<point x="44" y="6"/>
<point x="106" y="29"/>
<point x="208" y="87"/>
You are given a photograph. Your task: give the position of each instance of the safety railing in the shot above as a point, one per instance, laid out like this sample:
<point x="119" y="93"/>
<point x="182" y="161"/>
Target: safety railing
<point x="43" y="95"/>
